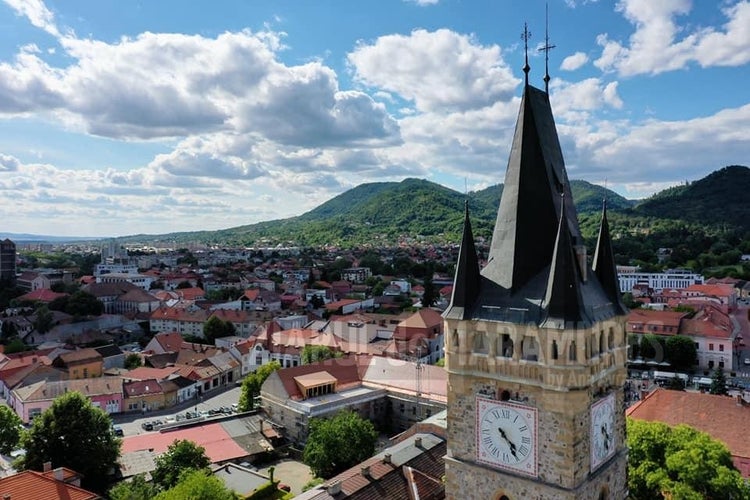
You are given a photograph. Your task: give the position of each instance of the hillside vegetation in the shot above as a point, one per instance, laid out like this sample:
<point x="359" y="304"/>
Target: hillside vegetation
<point x="705" y="222"/>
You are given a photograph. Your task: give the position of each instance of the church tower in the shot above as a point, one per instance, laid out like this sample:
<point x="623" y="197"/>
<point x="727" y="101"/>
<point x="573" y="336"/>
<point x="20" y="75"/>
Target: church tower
<point x="535" y="341"/>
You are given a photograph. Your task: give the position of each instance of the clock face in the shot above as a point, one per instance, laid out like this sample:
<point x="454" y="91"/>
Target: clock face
<point x="506" y="436"/>
<point x="603" y="443"/>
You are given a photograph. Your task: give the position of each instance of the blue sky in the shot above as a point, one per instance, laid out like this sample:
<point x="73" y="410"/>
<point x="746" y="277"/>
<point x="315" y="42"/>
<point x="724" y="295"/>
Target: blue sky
<point x="120" y="118"/>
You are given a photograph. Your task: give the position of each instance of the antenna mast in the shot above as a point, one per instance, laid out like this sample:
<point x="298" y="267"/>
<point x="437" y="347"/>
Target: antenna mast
<point x="547" y="47"/>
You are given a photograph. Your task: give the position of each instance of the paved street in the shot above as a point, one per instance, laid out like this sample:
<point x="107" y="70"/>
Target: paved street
<point x="131" y="423"/>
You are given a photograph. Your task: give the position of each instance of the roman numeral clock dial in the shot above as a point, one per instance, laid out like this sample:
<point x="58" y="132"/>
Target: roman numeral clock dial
<point x="603" y="443"/>
<point x="506" y="435"/>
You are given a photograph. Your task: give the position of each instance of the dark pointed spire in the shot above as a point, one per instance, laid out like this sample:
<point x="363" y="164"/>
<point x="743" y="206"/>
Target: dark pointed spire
<point x="467" y="279"/>
<point x="604" y="264"/>
<point x="563" y="303"/>
<point x="529" y="212"/>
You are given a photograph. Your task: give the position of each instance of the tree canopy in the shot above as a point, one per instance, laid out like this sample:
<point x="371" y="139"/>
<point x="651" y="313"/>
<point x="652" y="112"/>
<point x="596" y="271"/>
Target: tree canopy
<point x="337" y="443"/>
<point x="133" y="360"/>
<point x="681" y="352"/>
<point x="76" y="434"/>
<point x="719" y="383"/>
<point x="252" y="383"/>
<point x="180" y="456"/>
<point x="216" y="328"/>
<point x="10" y="430"/>
<point x="679" y="462"/>
<point x="314" y="353"/>
<point x="198" y="485"/>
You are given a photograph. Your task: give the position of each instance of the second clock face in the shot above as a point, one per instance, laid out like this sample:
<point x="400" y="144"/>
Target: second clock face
<point x="506" y="435"/>
<point x="602" y="437"/>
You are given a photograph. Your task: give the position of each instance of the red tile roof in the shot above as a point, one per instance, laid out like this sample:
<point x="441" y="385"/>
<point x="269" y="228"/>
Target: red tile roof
<point x="42" y="295"/>
<point x="32" y="485"/>
<point x="347" y="371"/>
<point x="218" y="444"/>
<point x="719" y="416"/>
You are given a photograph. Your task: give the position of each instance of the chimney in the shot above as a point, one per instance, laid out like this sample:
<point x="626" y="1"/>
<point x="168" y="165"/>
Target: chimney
<point x="334" y="488"/>
<point x="365" y="470"/>
<point x="47" y="466"/>
<point x="418" y="442"/>
<point x="59" y="474"/>
<point x="387" y="458"/>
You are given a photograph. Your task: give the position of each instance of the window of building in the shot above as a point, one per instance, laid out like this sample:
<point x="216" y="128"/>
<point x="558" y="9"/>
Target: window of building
<point x="572" y="354"/>
<point x="710" y="347"/>
<point x="259" y="360"/>
<point x="721" y="364"/>
<point x="480" y="342"/>
<point x="721" y="347"/>
<point x="554" y="349"/>
<point x="711" y="364"/>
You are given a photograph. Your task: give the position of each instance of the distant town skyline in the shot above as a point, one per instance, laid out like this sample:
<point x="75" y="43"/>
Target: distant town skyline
<point x="119" y="118"/>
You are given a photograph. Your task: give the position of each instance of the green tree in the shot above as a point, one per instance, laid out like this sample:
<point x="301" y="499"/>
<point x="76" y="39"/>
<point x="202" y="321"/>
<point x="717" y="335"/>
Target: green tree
<point x="135" y="489"/>
<point x="76" y="434"/>
<point x="252" y="383"/>
<point x="44" y="320"/>
<point x="429" y="297"/>
<point x="198" y="485"/>
<point x="314" y="353"/>
<point x="180" y="456"/>
<point x="681" y="352"/>
<point x="718" y="383"/>
<point x="10" y="430"/>
<point x="84" y="304"/>
<point x="679" y="462"/>
<point x="133" y="360"/>
<point x="337" y="443"/>
<point x="8" y="330"/>
<point x="216" y="328"/>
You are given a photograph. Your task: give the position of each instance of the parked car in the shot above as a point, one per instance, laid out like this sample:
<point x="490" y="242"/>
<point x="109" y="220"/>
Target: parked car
<point x="147" y="426"/>
<point x="118" y="430"/>
<point x="747" y="361"/>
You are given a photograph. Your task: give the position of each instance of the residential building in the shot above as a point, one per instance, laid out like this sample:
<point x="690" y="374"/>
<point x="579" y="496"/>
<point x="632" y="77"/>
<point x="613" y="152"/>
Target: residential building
<point x="142" y="281"/>
<point x="80" y="364"/>
<point x="420" y="336"/>
<point x="394" y="394"/>
<point x="356" y="274"/>
<point x="31" y="400"/>
<point x="411" y="469"/>
<point x="31" y="281"/>
<point x="60" y="483"/>
<point x="629" y="277"/>
<point x="112" y="356"/>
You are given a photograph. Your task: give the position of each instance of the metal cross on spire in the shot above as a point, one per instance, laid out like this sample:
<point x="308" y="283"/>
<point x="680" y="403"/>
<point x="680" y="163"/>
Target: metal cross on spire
<point x="525" y="37"/>
<point x="547" y="47"/>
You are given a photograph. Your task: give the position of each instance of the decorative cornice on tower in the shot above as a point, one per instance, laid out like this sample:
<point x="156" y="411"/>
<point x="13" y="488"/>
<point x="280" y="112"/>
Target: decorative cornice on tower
<point x="563" y="301"/>
<point x="467" y="280"/>
<point x="604" y="264"/>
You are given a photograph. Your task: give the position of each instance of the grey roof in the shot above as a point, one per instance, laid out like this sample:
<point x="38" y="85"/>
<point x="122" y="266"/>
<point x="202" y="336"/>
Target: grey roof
<point x="108" y="350"/>
<point x="533" y="273"/>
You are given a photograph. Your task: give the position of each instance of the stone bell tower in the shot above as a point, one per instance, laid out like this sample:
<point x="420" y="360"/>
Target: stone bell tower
<point x="535" y="341"/>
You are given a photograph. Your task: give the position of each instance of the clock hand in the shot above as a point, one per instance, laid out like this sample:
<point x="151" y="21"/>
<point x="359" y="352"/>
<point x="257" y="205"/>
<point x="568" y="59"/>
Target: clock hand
<point x="606" y="437"/>
<point x="510" y="443"/>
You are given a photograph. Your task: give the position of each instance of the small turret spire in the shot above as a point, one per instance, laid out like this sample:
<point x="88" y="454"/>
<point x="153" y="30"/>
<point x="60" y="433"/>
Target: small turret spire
<point x="467" y="280"/>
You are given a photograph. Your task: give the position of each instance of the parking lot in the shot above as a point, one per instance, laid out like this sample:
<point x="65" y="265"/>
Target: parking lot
<point x="136" y="423"/>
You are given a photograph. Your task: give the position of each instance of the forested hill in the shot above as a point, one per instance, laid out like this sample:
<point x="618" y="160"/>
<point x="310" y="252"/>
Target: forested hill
<point x="722" y="197"/>
<point x="385" y="213"/>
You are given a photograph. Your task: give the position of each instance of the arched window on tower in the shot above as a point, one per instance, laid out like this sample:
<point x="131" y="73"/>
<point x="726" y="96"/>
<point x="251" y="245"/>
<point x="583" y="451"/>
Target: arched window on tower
<point x="480" y="343"/>
<point x="504" y="346"/>
<point x="530" y="349"/>
<point x="454" y="338"/>
<point x="572" y="351"/>
<point x="611" y="338"/>
<point x="554" y="349"/>
<point x="601" y="342"/>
